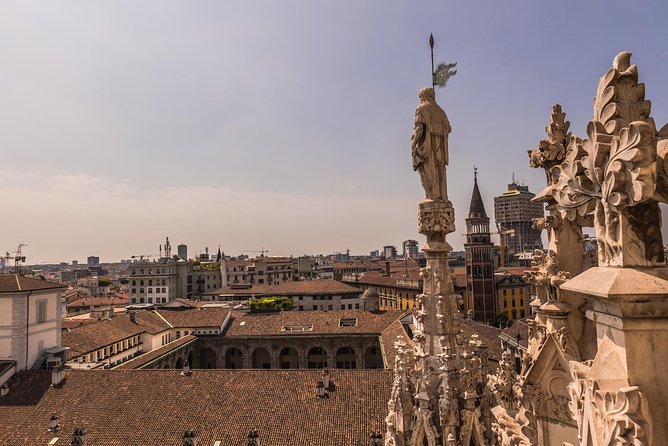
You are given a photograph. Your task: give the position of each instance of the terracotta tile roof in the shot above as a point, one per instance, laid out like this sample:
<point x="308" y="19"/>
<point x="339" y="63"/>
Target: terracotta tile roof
<point x="313" y="287"/>
<point x="375" y="279"/>
<point x="518" y="331"/>
<point x="241" y="290"/>
<point x="323" y="322"/>
<point x="275" y="259"/>
<point x="77" y="322"/>
<point x="147" y="358"/>
<point x="289" y="288"/>
<point x="196" y="317"/>
<point x="98" y="301"/>
<point x="391" y="335"/>
<point x="12" y="283"/>
<point x="359" y="265"/>
<point x="515" y="270"/>
<point x="487" y="334"/>
<point x="91" y="337"/>
<point x="157" y="406"/>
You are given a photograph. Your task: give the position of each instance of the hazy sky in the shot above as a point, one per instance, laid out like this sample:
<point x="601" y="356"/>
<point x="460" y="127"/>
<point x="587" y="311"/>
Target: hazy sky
<point x="282" y="124"/>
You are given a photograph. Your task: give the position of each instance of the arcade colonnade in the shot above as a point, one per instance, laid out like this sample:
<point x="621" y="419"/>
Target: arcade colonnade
<point x="286" y="353"/>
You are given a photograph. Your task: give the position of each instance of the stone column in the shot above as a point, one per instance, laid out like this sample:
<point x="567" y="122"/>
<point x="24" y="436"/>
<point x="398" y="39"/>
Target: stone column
<point x="627" y="383"/>
<point x="301" y="354"/>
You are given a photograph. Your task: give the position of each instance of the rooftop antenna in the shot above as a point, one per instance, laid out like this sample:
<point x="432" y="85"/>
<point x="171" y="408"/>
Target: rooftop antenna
<point x="475" y="174"/>
<point x="514" y="178"/>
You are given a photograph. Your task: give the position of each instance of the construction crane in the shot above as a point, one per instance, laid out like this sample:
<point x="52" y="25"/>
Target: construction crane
<point x="261" y="251"/>
<point x="502" y="243"/>
<point x="18" y="258"/>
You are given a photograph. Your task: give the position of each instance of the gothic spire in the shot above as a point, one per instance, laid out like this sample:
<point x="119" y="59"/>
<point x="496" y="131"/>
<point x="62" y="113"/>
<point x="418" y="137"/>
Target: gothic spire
<point x="477" y="208"/>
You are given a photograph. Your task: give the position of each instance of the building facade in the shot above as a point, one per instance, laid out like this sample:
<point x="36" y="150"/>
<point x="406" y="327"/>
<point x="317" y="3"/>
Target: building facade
<point x="513" y="213"/>
<point x="30" y="319"/>
<point x="153" y="282"/>
<point x="262" y="271"/>
<point x="513" y="293"/>
<point x="307" y="295"/>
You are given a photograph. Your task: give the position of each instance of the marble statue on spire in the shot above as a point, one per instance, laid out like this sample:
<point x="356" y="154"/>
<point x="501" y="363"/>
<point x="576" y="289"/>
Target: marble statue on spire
<point x="429" y="145"/>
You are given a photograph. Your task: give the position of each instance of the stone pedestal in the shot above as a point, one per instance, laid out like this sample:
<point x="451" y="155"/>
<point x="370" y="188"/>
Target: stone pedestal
<point x="436" y="219"/>
<point x="626" y="386"/>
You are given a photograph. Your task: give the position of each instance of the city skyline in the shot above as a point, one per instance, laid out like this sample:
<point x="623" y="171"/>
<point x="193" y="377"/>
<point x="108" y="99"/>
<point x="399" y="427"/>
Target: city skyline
<point x="283" y="127"/>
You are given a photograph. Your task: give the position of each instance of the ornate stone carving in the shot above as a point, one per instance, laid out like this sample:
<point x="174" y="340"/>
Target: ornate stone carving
<point x="501" y="382"/>
<point x="439" y="401"/>
<point x="608" y="417"/>
<point x="515" y="428"/>
<point x="436" y="219"/>
<point x="552" y="151"/>
<point x="545" y="276"/>
<point x="612" y="173"/>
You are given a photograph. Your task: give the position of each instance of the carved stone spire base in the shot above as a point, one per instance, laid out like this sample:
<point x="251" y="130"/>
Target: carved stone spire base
<point x="626" y="384"/>
<point x="436" y="219"/>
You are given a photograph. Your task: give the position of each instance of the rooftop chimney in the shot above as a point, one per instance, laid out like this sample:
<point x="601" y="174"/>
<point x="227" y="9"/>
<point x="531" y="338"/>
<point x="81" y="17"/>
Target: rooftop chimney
<point x="387" y="267"/>
<point x="186" y="369"/>
<point x="189" y="438"/>
<point x="320" y="391"/>
<point x="79" y="437"/>
<point x="133" y="317"/>
<point x="57" y="376"/>
<point x="53" y="423"/>
<point x="253" y="438"/>
<point x="325" y="379"/>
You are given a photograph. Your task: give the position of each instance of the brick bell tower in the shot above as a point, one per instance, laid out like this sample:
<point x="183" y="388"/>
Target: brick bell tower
<point x="480" y="289"/>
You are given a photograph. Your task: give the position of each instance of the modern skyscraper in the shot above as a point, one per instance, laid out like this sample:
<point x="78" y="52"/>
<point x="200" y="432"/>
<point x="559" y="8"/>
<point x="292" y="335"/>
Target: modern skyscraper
<point x="513" y="212"/>
<point x="480" y="289"/>
<point x="182" y="251"/>
<point x="389" y="251"/>
<point x="410" y="249"/>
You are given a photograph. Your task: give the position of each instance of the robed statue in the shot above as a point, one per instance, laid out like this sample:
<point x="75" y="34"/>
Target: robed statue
<point x="430" y="146"/>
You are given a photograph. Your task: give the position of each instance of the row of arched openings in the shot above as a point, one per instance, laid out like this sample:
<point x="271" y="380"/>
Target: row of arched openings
<point x="288" y="358"/>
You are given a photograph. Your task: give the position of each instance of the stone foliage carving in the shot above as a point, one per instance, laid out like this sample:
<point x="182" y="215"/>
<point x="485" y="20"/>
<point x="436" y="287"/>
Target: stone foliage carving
<point x="608" y="417"/>
<point x="612" y="173"/>
<point x="436" y="219"/>
<point x="517" y="430"/>
<point x="546" y="276"/>
<point x="552" y="151"/>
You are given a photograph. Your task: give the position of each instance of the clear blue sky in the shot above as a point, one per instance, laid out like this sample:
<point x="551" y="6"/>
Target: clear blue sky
<point x="282" y="125"/>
